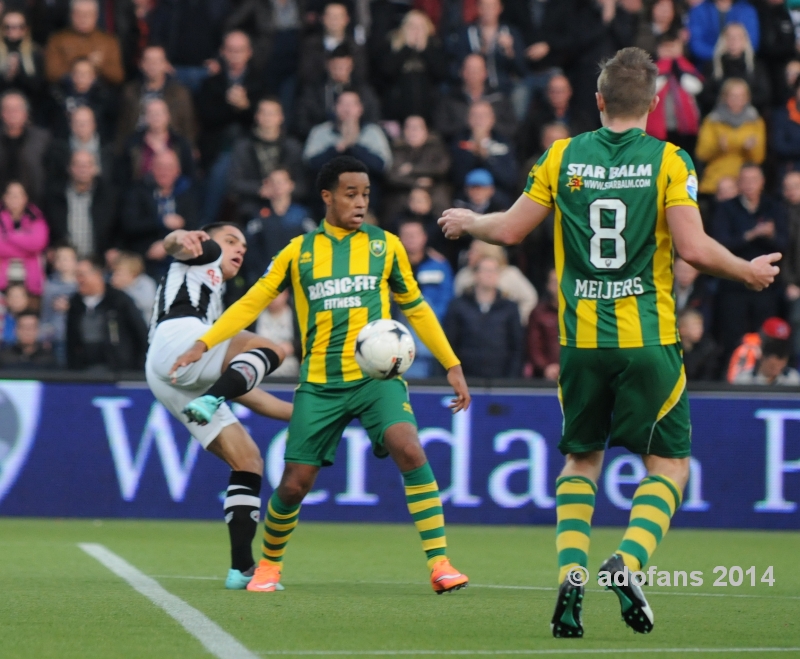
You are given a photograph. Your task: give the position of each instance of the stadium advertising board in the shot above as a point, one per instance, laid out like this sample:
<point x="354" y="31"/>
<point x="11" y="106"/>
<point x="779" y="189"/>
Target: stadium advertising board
<point x="90" y="450"/>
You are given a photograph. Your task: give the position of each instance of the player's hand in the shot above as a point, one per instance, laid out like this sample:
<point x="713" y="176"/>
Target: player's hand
<point x="456" y="222"/>
<point x="191" y="242"/>
<point x="189" y="357"/>
<point x="455" y="376"/>
<point x="551" y="372"/>
<point x="763" y="271"/>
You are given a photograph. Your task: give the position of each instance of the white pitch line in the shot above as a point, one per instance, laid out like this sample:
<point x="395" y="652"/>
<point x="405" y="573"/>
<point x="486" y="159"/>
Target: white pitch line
<point x="650" y="591"/>
<point x="215" y="639"/>
<point x="492" y="653"/>
<point x="183" y="576"/>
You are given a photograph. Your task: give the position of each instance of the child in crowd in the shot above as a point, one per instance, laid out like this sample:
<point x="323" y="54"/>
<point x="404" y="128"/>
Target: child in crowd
<point x="127" y="275"/>
<point x="17" y="300"/>
<point x="58" y="288"/>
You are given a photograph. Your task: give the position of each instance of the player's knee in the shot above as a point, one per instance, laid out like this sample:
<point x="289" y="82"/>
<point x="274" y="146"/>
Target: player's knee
<point x="295" y="484"/>
<point x="293" y="491"/>
<point x="404" y="447"/>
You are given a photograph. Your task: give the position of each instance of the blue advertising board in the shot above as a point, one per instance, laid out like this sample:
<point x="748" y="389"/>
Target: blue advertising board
<point x="102" y="450"/>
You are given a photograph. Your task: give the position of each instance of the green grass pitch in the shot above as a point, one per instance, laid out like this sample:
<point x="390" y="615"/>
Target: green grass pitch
<point x="361" y="590"/>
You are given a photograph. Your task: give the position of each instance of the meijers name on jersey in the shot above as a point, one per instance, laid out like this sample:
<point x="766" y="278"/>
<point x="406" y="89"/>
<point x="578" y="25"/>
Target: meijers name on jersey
<point x="342" y="286"/>
<point x="608" y="290"/>
<point x="596" y="171"/>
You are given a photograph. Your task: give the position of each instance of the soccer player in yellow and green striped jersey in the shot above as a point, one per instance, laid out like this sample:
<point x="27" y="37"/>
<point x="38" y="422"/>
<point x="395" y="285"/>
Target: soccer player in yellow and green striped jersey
<point x="343" y="276"/>
<point x="621" y="200"/>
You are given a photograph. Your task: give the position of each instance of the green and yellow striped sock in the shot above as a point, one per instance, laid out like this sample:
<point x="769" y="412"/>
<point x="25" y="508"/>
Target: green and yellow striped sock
<point x="574" y="508"/>
<point x="278" y="526"/>
<point x="425" y="506"/>
<point x="654" y="503"/>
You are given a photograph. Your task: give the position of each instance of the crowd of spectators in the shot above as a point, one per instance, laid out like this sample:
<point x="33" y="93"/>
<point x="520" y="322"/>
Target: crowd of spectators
<point x="123" y="120"/>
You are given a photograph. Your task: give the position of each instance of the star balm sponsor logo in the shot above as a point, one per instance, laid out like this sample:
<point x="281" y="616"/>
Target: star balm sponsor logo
<point x="575" y="183"/>
<point x="19" y="418"/>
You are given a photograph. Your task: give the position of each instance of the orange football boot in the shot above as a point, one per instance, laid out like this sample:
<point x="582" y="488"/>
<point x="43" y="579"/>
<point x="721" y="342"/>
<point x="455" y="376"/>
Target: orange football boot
<point x="445" y="578"/>
<point x="266" y="579"/>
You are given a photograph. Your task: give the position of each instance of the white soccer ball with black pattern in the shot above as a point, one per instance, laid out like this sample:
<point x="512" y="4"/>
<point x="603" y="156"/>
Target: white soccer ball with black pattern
<point x="384" y="349"/>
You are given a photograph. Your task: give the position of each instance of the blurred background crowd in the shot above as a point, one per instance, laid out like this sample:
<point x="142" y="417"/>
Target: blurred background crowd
<point x="122" y="120"/>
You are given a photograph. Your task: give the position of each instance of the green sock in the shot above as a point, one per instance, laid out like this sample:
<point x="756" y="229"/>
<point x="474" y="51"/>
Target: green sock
<point x="425" y="506"/>
<point x="574" y="507"/>
<point x="278" y="526"/>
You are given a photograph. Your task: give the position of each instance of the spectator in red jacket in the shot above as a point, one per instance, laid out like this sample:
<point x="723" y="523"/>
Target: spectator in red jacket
<point x="23" y="239"/>
<point x="543" y="345"/>
<point x="677" y="116"/>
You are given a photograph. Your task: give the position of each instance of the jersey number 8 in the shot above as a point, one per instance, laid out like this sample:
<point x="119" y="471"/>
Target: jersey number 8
<point x="600" y="234"/>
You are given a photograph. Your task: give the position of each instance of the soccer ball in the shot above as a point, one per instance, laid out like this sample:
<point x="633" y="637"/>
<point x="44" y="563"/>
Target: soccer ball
<point x="384" y="349"/>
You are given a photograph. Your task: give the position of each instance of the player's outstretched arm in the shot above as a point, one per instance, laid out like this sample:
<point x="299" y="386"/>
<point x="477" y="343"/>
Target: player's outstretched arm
<point x="184" y="245"/>
<point x="507" y="228"/>
<point x="265" y="404"/>
<point x="699" y="249"/>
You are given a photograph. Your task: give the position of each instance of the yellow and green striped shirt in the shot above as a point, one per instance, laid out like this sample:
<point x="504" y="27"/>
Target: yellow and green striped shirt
<point x="340" y="282"/>
<point x="613" y="248"/>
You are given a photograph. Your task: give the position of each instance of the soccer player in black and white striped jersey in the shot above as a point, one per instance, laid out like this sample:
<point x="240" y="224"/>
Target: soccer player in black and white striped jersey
<point x="188" y="301"/>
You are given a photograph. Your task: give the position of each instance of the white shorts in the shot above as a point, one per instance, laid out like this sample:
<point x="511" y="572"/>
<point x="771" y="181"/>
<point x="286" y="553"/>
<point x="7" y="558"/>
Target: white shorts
<point x="171" y="339"/>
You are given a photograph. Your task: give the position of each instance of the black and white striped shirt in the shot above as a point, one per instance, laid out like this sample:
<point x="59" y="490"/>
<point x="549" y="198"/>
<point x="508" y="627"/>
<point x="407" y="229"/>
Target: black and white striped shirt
<point x="191" y="288"/>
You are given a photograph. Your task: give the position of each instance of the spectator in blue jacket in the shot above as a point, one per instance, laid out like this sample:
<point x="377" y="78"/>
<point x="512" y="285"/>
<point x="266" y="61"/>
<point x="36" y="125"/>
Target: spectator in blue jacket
<point x="435" y="279"/>
<point x="785" y="134"/>
<point x="707" y="19"/>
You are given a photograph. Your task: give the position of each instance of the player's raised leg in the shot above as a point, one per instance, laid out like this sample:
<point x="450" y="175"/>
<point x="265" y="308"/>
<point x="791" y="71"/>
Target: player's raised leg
<point x="424" y="504"/>
<point x="576" y="488"/>
<point x="248" y="360"/>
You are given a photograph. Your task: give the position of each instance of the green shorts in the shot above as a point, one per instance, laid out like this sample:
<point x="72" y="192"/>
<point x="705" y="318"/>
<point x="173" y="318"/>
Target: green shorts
<point x="322" y="412"/>
<point x="630" y="397"/>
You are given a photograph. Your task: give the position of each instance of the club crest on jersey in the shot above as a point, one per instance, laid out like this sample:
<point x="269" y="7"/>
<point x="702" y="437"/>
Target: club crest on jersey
<point x="377" y="247"/>
<point x="575" y="183"/>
